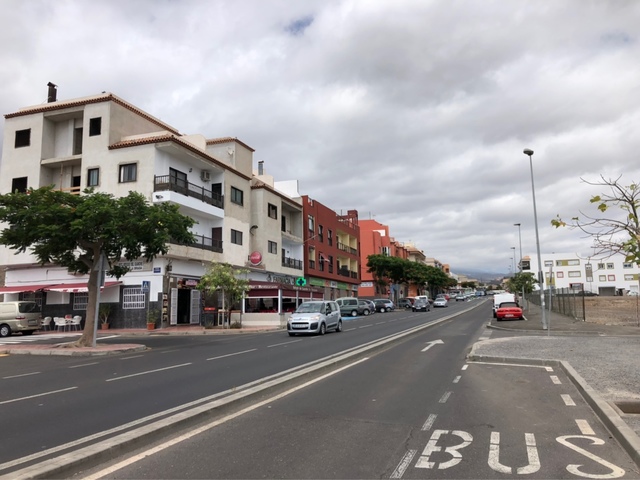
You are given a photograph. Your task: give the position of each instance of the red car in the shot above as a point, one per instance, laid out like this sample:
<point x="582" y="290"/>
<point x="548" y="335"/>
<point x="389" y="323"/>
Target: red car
<point x="509" y="311"/>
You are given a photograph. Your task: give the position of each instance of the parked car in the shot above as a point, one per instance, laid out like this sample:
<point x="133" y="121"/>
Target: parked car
<point x="440" y="302"/>
<point x="350" y="306"/>
<point x="421" y="305"/>
<point x="509" y="311"/>
<point x="20" y="316"/>
<point x="426" y="297"/>
<point x="366" y="307"/>
<point x="405" y="302"/>
<point x="315" y="317"/>
<point x="384" y="305"/>
<point x="460" y="297"/>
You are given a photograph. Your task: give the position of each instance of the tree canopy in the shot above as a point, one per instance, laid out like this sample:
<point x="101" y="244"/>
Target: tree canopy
<point x="522" y="281"/>
<point x="228" y="280"/>
<point x="73" y="231"/>
<point x="617" y="233"/>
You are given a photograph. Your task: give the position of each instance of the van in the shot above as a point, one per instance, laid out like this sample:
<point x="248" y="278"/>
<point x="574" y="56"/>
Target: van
<point x="22" y="317"/>
<point x="499" y="298"/>
<point x="350" y="307"/>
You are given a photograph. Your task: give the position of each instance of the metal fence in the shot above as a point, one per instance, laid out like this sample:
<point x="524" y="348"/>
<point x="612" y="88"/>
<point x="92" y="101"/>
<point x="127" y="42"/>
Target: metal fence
<point x="566" y="301"/>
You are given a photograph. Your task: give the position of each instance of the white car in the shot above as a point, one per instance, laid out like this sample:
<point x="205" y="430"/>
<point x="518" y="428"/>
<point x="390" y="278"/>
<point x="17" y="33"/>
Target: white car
<point x="315" y="317"/>
<point x="440" y="302"/>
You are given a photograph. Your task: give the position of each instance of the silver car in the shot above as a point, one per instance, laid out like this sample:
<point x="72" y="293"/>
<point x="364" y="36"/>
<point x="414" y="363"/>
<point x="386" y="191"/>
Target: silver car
<point x="315" y="317"/>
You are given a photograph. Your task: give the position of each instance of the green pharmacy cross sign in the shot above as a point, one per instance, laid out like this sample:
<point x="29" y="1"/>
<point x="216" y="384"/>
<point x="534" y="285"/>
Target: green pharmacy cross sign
<point x="301" y="281"/>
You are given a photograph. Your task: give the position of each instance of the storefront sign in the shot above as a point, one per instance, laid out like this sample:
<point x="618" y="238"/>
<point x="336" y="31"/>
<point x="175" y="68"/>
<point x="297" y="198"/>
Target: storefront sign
<point x="255" y="258"/>
<point x="136" y="266"/>
<point x="283" y="279"/>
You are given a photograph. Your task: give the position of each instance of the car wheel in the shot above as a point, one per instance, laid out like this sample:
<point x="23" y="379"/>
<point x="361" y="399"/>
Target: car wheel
<point x="339" y="326"/>
<point x="413" y="309"/>
<point x="323" y="328"/>
<point x="5" y="331"/>
<point x="382" y="310"/>
<point x="365" y="312"/>
<point x="354" y="313"/>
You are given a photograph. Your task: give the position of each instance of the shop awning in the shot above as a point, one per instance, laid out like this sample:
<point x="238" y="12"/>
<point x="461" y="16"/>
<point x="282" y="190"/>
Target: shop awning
<point x="76" y="287"/>
<point x="24" y="288"/>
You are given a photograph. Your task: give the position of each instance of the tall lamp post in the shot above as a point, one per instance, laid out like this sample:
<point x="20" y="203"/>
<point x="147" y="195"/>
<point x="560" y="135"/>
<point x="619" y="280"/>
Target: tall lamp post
<point x="529" y="152"/>
<point x="514" y="259"/>
<point x="520" y="262"/>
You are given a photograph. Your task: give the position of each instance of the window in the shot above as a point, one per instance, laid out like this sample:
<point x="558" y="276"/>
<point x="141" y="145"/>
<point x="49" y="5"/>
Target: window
<point x="548" y="263"/>
<point x="19" y="185"/>
<point x="330" y="237"/>
<point x="95" y="126"/>
<point x="627" y="265"/>
<point x="330" y="264"/>
<point x="93" y="177"/>
<point x="23" y="138"/>
<point x="602" y="278"/>
<point x="77" y="141"/>
<point x="128" y="172"/>
<point x="312" y="224"/>
<point x="601" y="266"/>
<point x="273" y="247"/>
<point x="575" y="274"/>
<point x="237" y="196"/>
<point x="560" y="274"/>
<point x="609" y="266"/>
<point x="272" y="211"/>
<point x="629" y="276"/>
<point x="80" y="300"/>
<point x="132" y="298"/>
<point x="320" y="233"/>
<point x="236" y="237"/>
<point x="611" y="278"/>
<point x="573" y="262"/>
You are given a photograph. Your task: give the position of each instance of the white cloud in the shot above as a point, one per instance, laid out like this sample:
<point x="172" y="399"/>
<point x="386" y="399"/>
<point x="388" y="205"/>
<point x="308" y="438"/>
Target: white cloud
<point x="414" y="111"/>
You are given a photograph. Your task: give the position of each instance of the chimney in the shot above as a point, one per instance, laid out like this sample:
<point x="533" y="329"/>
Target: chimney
<point x="261" y="167"/>
<point x="52" y="94"/>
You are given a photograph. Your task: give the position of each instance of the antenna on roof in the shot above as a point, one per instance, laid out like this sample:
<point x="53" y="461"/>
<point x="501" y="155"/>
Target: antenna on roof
<point x="52" y="94"/>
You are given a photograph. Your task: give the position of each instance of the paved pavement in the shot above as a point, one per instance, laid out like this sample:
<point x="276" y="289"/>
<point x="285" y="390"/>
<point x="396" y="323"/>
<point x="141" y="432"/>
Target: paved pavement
<point x="603" y="361"/>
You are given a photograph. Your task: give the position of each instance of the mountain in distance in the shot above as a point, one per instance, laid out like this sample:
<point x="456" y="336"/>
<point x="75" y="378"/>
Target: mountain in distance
<point x="481" y="275"/>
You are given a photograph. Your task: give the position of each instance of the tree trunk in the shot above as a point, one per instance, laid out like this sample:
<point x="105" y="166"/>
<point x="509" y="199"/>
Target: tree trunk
<point x="86" y="340"/>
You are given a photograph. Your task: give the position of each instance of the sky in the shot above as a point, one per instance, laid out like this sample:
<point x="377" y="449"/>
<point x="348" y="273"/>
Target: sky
<point x="415" y="113"/>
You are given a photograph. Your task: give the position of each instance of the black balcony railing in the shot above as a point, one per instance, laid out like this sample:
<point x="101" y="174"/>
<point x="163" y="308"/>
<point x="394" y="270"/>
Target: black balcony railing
<point x="167" y="182"/>
<point x="347" y="248"/>
<point x="205" y="243"/>
<point x="292" y="263"/>
<point x="312" y="264"/>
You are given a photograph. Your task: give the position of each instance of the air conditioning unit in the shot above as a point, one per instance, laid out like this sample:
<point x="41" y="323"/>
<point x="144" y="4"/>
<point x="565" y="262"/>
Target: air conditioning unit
<point x="205" y="175"/>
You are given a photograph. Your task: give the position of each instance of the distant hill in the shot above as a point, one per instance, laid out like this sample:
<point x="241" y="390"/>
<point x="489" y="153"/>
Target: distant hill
<point x="481" y="275"/>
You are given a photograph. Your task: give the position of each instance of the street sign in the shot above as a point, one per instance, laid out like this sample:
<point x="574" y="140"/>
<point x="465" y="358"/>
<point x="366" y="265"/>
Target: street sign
<point x="146" y="286"/>
<point x="301" y="281"/>
<point x="526" y="265"/>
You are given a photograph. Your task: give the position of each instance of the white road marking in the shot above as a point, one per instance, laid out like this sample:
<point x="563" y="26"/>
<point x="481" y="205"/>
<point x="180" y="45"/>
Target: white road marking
<point x="348" y="329"/>
<point x="148" y="372"/>
<point x="22" y="375"/>
<point x="616" y="471"/>
<point x="365" y="326"/>
<point x="457" y="379"/>
<point x="549" y="369"/>
<point x="445" y="397"/>
<point x="283" y="343"/>
<point x="84" y="365"/>
<point x="37" y="395"/>
<point x="232" y="354"/>
<point x="129" y="358"/>
<point x="404" y="464"/>
<point x="429" y="423"/>
<point x="584" y="427"/>
<point x="465" y="366"/>
<point x="555" y="380"/>
<point x="532" y="455"/>
<point x="431" y="344"/>
<point x="213" y="424"/>
<point x="568" y="401"/>
<point x="170" y="351"/>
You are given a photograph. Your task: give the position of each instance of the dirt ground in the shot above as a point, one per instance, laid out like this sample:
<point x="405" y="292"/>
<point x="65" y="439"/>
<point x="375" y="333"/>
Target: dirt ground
<point x="612" y="310"/>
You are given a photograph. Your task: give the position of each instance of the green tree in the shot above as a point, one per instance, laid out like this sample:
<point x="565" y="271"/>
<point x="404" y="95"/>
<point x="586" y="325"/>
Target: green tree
<point x="228" y="280"/>
<point x="74" y="231"/>
<point x="614" y="234"/>
<point x="522" y="281"/>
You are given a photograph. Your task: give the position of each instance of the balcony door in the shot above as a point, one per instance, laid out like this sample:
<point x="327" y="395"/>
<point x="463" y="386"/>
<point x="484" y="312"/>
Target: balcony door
<point x="179" y="179"/>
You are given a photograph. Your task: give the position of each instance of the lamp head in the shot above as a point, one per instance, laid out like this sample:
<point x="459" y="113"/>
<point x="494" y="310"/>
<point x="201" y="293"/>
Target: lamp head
<point x="516" y="224"/>
<point x="528" y="151"/>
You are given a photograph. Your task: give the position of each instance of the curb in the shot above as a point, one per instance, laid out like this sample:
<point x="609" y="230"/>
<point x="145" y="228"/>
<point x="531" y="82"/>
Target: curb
<point x="627" y="438"/>
<point x="71" y="352"/>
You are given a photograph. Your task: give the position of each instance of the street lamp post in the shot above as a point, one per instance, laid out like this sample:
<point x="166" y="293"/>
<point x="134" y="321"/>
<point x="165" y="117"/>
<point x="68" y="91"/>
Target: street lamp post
<point x="529" y="152"/>
<point x="520" y="262"/>
<point x="514" y="259"/>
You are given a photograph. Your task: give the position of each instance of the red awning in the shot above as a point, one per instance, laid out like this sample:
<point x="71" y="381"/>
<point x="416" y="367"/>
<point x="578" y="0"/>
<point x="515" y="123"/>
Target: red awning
<point x="76" y="287"/>
<point x="24" y="288"/>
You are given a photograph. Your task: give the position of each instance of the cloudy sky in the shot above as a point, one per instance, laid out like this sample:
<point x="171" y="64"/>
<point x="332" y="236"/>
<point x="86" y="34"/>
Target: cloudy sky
<point x="413" y="112"/>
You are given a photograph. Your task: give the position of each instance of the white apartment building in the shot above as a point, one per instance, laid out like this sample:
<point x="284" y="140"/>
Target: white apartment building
<point x="605" y="276"/>
<point x="110" y="145"/>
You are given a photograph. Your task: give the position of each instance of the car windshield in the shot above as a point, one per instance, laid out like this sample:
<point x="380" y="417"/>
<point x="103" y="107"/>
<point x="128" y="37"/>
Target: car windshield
<point x="309" y="308"/>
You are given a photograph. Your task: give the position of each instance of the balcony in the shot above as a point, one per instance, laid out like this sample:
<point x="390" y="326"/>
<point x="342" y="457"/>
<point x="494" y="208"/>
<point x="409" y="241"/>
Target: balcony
<point x="163" y="183"/>
<point x="347" y="273"/>
<point x="292" y="263"/>
<point x="204" y="243"/>
<point x="347" y="248"/>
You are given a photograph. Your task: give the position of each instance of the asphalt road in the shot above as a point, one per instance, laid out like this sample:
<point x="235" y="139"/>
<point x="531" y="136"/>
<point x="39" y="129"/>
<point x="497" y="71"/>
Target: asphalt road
<point x="415" y="410"/>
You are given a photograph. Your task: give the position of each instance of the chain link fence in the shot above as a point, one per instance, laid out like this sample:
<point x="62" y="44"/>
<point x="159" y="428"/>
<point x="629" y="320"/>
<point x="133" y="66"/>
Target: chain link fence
<point x="566" y="301"/>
